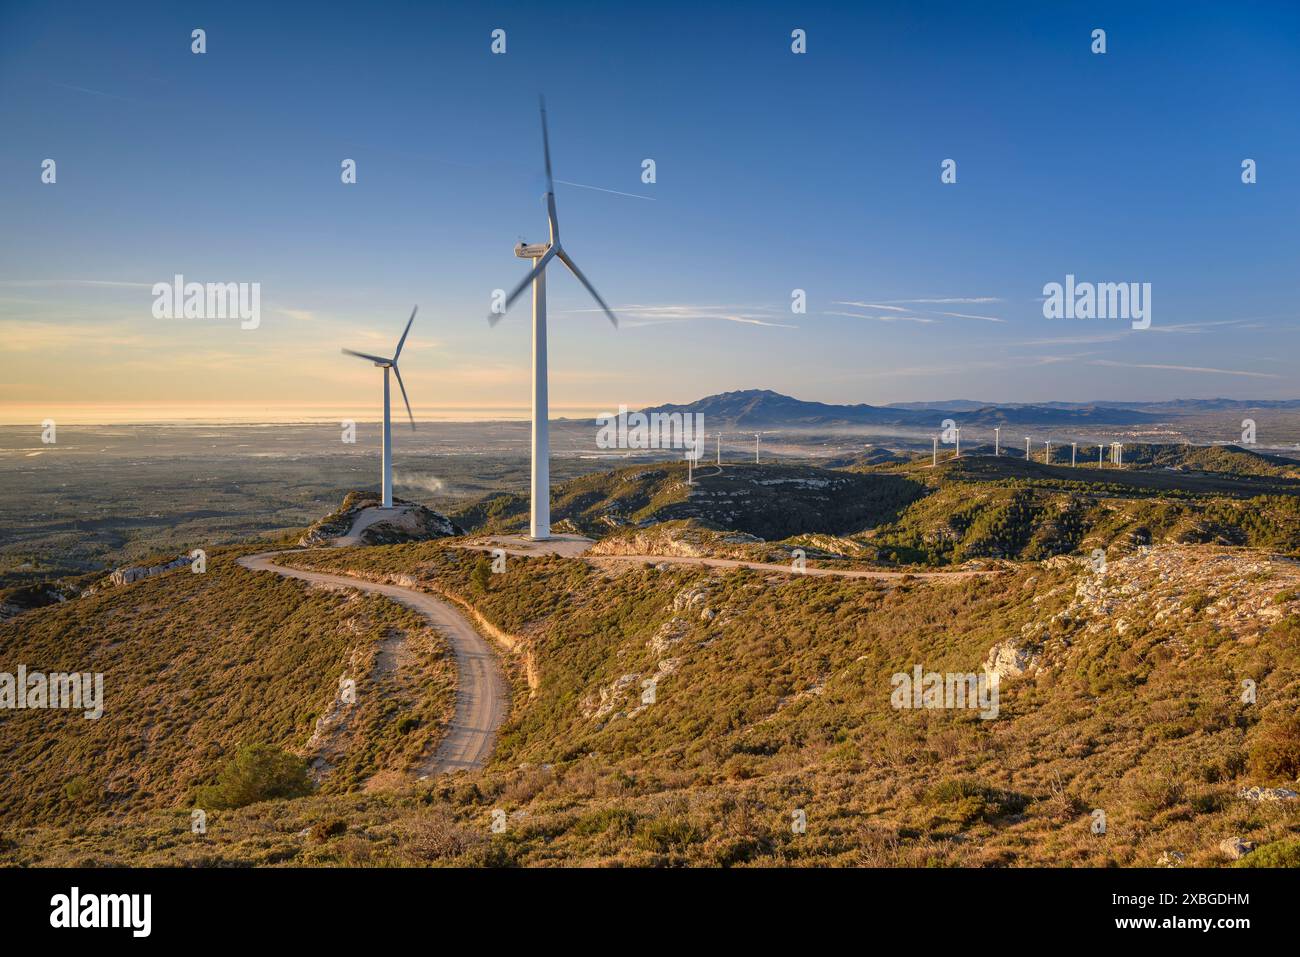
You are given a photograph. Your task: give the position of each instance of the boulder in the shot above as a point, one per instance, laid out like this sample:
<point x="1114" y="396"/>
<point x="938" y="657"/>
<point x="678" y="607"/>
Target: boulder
<point x="1011" y="659"/>
<point x="1235" y="848"/>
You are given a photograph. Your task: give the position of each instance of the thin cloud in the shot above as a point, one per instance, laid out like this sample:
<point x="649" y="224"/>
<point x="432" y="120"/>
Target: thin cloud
<point x="642" y="315"/>
<point x="887" y="307"/>
<point x="963" y="315"/>
<point x="868" y="305"/>
<point x="954" y="300"/>
<point x="86" y="89"/>
<point x="855" y="315"/>
<point x="76" y="282"/>
<point x="1203" y="370"/>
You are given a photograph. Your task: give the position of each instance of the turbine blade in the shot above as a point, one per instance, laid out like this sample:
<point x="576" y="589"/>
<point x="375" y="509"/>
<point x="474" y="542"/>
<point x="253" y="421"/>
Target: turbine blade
<point x="552" y="218"/>
<point x="364" y="355"/>
<point x="401" y="385"/>
<point x="573" y="268"/>
<point x="515" y="293"/>
<point x="402" y="341"/>
<point x="546" y="147"/>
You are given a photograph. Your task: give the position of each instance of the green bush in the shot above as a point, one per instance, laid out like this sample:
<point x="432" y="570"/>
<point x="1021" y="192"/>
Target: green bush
<point x="1275" y="753"/>
<point x="259" y="772"/>
<point x="1284" y="853"/>
<point x="322" y="831"/>
<point x="482" y="574"/>
<point x="81" y="792"/>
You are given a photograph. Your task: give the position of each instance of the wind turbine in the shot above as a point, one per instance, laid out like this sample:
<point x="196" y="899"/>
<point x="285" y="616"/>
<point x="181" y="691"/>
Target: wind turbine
<point x="1027" y="455"/>
<point x="719" y="450"/>
<point x="1047" y="456"/>
<point x="934" y="460"/>
<point x="1074" y="454"/>
<point x="541" y="254"/>
<point x="755" y="448"/>
<point x="958" y="455"/>
<point x="997" y="440"/>
<point x="386" y="365"/>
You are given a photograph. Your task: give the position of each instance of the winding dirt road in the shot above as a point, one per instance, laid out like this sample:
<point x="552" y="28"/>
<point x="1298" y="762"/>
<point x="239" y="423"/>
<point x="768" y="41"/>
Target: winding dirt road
<point x="575" y="546"/>
<point x="482" y="699"/>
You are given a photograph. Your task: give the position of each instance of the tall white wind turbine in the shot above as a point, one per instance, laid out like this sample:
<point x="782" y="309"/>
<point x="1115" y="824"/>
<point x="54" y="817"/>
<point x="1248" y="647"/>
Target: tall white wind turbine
<point x="387" y="365"/>
<point x="541" y="254"/>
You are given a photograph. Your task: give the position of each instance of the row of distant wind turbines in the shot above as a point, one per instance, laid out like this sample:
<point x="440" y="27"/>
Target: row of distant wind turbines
<point x="541" y="255"/>
<point x="1116" y="449"/>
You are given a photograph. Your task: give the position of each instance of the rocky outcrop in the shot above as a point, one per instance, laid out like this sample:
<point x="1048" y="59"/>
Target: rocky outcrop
<point x="361" y="520"/>
<point x="1015" y="657"/>
<point x="677" y="539"/>
<point x="125" y="576"/>
<point x="1271" y="795"/>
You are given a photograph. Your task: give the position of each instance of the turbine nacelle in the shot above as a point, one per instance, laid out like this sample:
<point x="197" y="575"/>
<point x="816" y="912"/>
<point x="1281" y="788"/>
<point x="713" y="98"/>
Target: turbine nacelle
<point x="532" y="250"/>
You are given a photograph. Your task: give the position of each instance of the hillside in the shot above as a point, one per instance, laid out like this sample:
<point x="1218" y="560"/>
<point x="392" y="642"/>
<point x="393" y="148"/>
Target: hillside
<point x="1121" y="694"/>
<point x="982" y="507"/>
<point x="767" y="501"/>
<point x="197" y="665"/>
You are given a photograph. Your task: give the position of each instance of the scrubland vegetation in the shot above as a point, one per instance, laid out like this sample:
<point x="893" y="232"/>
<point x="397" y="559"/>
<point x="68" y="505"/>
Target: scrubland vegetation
<point x="679" y="715"/>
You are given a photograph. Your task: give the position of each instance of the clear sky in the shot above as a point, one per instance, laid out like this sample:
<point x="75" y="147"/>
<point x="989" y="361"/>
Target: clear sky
<point x="775" y="171"/>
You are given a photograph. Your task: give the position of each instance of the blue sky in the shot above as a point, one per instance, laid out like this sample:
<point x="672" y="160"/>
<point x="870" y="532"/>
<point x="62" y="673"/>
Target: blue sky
<point x="775" y="171"/>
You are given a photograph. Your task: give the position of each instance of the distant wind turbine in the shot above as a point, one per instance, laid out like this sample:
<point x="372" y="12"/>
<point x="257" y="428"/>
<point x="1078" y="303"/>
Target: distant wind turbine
<point x="997" y="441"/>
<point x="541" y="254"/>
<point x="1027" y="456"/>
<point x="386" y="365"/>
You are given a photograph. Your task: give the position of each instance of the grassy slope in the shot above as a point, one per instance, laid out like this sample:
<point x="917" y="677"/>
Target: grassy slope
<point x="982" y="508"/>
<point x="196" y="665"/>
<point x="779" y="701"/>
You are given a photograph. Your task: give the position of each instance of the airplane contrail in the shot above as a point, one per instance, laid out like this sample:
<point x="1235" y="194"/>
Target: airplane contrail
<point x="617" y="192"/>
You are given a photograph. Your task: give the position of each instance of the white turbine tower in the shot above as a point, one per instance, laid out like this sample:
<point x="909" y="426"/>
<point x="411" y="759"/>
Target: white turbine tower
<point x="541" y="254"/>
<point x="934" y="460"/>
<point x="386" y="365"/>
<point x="958" y="454"/>
<point x="997" y="441"/>
<point x="1074" y="454"/>
<point x="719" y="450"/>
<point x="1047" y="456"/>
<point x="755" y="448"/>
<point x="1027" y="456"/>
